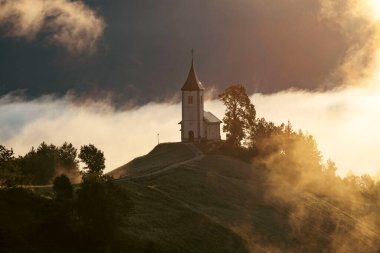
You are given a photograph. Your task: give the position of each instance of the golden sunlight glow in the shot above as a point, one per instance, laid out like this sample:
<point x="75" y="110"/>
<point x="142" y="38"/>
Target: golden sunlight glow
<point x="375" y="8"/>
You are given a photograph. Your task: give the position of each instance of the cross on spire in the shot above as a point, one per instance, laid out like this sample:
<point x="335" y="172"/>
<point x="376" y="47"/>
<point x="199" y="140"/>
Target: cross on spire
<point x="192" y="83"/>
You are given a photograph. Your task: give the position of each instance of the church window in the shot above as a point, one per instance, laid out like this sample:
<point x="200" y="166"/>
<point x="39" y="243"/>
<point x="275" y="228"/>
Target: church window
<point x="190" y="100"/>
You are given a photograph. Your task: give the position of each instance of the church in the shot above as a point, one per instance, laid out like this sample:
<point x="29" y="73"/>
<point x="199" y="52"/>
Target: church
<point x="197" y="124"/>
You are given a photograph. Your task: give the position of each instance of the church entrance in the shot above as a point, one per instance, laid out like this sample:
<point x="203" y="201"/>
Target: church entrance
<point x="191" y="136"/>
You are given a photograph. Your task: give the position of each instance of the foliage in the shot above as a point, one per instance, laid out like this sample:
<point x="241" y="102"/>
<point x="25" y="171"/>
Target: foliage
<point x="39" y="166"/>
<point x="67" y="157"/>
<point x="9" y="169"/>
<point x="63" y="188"/>
<point x="293" y="167"/>
<point x="240" y="115"/>
<point x="6" y="155"/>
<point x="89" y="220"/>
<point x="93" y="158"/>
<point x="101" y="207"/>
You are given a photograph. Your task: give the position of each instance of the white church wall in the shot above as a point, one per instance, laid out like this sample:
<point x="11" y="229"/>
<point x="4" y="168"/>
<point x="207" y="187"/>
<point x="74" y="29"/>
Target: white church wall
<point x="213" y="131"/>
<point x="192" y="116"/>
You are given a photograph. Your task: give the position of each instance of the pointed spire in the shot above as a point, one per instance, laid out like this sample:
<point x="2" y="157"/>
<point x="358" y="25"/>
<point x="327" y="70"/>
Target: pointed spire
<point x="192" y="82"/>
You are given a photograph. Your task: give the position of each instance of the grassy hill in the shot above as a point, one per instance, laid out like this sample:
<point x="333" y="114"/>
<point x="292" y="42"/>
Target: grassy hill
<point x="186" y="200"/>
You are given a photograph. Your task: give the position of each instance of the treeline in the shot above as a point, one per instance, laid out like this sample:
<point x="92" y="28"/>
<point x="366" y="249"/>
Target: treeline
<point x="293" y="169"/>
<point x="39" y="166"/>
<point x="84" y="218"/>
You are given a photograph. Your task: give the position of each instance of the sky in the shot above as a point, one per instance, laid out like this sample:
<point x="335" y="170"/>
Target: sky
<point x="110" y="73"/>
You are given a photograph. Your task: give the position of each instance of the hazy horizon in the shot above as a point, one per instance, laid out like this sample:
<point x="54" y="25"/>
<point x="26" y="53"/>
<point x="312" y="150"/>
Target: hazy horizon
<point x="124" y="134"/>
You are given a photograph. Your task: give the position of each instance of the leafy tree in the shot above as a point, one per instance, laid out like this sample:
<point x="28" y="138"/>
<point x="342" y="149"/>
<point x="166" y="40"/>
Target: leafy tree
<point x="101" y="207"/>
<point x="240" y="115"/>
<point x="63" y="188"/>
<point x="67" y="155"/>
<point x="39" y="165"/>
<point x="9" y="169"/>
<point x="6" y="155"/>
<point x="264" y="138"/>
<point x="93" y="158"/>
<point x="330" y="168"/>
<point x="67" y="162"/>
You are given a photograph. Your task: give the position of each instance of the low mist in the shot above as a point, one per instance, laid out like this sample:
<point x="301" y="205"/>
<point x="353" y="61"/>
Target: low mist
<point x="343" y="122"/>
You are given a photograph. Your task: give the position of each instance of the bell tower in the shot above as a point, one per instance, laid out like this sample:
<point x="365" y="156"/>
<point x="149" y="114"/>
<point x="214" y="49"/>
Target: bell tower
<point x="192" y="107"/>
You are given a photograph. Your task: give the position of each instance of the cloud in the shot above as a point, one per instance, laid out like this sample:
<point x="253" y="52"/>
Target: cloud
<point x="267" y="45"/>
<point x="66" y="23"/>
<point x="343" y="122"/>
<point x="335" y="39"/>
<point x="358" y="22"/>
<point x="122" y="135"/>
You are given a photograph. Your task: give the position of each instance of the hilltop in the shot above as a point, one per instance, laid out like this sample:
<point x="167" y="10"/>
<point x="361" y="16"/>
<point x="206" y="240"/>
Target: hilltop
<point x="185" y="197"/>
<point x="190" y="199"/>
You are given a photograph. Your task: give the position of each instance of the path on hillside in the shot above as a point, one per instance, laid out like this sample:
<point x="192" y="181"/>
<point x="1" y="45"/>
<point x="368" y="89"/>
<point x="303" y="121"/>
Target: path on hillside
<point x="198" y="155"/>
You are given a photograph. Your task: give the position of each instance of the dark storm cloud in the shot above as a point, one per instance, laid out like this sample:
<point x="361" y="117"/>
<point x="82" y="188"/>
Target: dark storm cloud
<point x="69" y="24"/>
<point x="144" y="55"/>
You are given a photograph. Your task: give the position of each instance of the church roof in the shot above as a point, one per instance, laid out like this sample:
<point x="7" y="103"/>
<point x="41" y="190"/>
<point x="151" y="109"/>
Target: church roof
<point x="210" y="118"/>
<point x="192" y="83"/>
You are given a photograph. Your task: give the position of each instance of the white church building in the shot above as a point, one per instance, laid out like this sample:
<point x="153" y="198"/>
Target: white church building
<point x="197" y="124"/>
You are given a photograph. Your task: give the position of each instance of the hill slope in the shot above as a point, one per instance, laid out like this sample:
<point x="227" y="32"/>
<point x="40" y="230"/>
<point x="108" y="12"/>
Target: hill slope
<point x="187" y="201"/>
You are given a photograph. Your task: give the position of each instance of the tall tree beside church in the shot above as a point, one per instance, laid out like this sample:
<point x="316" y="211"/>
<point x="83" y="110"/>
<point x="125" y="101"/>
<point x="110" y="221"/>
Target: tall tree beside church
<point x="240" y="115"/>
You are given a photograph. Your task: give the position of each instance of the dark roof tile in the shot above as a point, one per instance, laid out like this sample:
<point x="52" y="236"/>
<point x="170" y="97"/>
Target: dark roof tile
<point x="192" y="83"/>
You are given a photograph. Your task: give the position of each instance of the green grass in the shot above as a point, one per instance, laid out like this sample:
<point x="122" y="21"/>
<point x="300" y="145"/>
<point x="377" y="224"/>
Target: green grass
<point x="172" y="226"/>
<point x="216" y="204"/>
<point x="161" y="156"/>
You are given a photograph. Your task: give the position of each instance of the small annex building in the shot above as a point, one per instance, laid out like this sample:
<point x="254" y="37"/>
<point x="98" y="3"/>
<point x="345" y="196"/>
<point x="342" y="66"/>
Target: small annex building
<point x="197" y="124"/>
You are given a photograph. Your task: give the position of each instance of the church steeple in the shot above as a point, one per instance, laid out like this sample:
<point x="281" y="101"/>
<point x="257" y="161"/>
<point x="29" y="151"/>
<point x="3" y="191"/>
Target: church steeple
<point x="196" y="124"/>
<point x="192" y="83"/>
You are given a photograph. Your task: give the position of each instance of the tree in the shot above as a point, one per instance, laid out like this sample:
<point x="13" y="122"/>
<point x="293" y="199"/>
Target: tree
<point x="39" y="165"/>
<point x="63" y="188"/>
<point x="93" y="158"/>
<point x="240" y="115"/>
<point x="264" y="138"/>
<point x="67" y="155"/>
<point x="330" y="168"/>
<point x="9" y="169"/>
<point x="6" y="155"/>
<point x="67" y="162"/>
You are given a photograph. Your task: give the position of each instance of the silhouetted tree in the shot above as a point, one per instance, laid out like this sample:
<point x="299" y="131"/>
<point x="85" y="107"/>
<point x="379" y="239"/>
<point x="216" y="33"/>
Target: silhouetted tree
<point x="101" y="207"/>
<point x="6" y="155"/>
<point x="63" y="188"/>
<point x="67" y="155"/>
<point x="101" y="204"/>
<point x="264" y="139"/>
<point x="9" y="168"/>
<point x="39" y="165"/>
<point x="93" y="158"/>
<point x="240" y="115"/>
